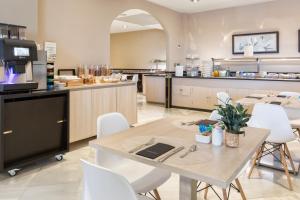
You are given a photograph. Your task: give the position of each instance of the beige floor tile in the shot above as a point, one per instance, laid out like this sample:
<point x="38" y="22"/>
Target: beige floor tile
<point x="53" y="180"/>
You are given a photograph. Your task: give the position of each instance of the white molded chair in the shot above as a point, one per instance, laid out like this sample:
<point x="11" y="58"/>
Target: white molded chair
<point x="215" y="116"/>
<point x="296" y="122"/>
<point x="274" y="118"/>
<point x="223" y="98"/>
<point x="290" y="94"/>
<point x="143" y="178"/>
<point x="135" y="78"/>
<point x="101" y="183"/>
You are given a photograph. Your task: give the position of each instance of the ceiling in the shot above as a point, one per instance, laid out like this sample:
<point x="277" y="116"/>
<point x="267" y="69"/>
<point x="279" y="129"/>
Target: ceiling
<point x="134" y="20"/>
<point x="186" y="6"/>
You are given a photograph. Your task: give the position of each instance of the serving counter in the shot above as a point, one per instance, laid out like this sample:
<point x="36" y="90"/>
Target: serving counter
<point x="200" y="93"/>
<point x="87" y="102"/>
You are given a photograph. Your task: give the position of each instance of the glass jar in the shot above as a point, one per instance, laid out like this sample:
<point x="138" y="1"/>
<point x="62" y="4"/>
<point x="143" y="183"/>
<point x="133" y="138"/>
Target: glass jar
<point x="22" y="33"/>
<point x="13" y="32"/>
<point x="3" y="31"/>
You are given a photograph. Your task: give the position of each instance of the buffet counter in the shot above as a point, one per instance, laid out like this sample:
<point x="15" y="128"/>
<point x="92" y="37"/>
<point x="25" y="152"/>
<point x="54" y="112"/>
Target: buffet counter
<point x="200" y="92"/>
<point x="87" y="102"/>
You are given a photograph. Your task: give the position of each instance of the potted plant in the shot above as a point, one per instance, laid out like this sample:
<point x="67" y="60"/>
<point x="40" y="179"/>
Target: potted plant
<point x="233" y="119"/>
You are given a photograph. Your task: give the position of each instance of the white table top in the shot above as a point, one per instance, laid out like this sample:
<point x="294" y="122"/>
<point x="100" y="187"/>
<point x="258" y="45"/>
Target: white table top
<point x="217" y="166"/>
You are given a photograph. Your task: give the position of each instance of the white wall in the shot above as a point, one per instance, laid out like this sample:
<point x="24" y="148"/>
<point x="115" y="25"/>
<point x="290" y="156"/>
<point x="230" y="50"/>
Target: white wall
<point x="20" y="12"/>
<point x="209" y="34"/>
<point x="136" y="49"/>
<point x="81" y="28"/>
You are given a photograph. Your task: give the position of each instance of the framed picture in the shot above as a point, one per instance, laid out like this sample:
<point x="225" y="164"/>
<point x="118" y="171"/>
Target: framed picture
<point x="265" y="42"/>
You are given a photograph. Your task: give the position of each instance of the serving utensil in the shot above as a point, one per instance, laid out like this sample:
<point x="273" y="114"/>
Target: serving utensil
<point x="171" y="154"/>
<point x="150" y="142"/>
<point x="193" y="148"/>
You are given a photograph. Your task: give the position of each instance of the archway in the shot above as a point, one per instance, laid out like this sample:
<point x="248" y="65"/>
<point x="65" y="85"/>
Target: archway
<point x="138" y="42"/>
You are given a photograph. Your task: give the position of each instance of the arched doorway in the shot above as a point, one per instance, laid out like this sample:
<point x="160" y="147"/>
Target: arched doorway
<point x="138" y="42"/>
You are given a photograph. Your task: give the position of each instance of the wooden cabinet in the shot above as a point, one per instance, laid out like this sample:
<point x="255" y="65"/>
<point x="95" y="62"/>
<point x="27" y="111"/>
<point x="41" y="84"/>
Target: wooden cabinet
<point x="87" y="104"/>
<point x="34" y="126"/>
<point x="104" y="101"/>
<point x="80" y="115"/>
<point x="127" y="102"/>
<point x="155" y="89"/>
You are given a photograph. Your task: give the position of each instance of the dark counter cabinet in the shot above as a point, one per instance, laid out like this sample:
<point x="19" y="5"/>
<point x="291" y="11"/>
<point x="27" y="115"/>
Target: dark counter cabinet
<point x="33" y="126"/>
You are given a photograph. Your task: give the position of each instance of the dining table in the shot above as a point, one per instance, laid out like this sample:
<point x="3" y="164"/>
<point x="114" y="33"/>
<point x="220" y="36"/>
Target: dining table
<point x="290" y="104"/>
<point x="217" y="166"/>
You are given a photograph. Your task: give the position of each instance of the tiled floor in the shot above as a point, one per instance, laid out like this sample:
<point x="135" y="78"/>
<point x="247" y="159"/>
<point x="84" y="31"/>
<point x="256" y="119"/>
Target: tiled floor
<point x="62" y="180"/>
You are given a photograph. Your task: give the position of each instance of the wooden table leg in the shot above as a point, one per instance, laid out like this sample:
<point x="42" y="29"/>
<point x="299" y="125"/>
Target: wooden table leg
<point x="240" y="189"/>
<point x="188" y="189"/>
<point x="225" y="197"/>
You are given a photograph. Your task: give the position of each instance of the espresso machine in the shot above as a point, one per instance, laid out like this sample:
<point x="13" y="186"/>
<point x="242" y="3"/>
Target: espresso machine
<point x="16" y="58"/>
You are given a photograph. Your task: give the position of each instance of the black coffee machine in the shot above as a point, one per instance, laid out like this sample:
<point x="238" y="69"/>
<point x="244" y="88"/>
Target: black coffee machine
<point x="16" y="57"/>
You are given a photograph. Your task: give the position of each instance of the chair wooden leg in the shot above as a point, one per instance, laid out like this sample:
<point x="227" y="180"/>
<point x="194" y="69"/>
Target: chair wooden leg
<point x="206" y="191"/>
<point x="225" y="197"/>
<point x="156" y="194"/>
<point x="286" y="170"/>
<point x="254" y="162"/>
<point x="240" y="189"/>
<point x="261" y="153"/>
<point x="287" y="151"/>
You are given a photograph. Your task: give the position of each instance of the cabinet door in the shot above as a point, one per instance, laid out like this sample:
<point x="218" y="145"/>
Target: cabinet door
<point x="103" y="101"/>
<point x="182" y="96"/>
<point x="33" y="127"/>
<point x="127" y="102"/>
<point x="199" y="97"/>
<point x="80" y="115"/>
<point x="156" y="90"/>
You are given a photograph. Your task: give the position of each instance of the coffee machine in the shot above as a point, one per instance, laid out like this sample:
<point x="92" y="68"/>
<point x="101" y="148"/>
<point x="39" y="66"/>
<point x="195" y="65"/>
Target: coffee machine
<point x="16" y="57"/>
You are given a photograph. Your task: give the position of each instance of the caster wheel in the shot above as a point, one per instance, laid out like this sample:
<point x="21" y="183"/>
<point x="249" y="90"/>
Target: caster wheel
<point x="13" y="172"/>
<point x="59" y="157"/>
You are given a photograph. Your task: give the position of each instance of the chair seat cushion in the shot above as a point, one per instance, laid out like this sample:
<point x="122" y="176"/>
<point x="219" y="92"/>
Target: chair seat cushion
<point x="143" y="178"/>
<point x="295" y="123"/>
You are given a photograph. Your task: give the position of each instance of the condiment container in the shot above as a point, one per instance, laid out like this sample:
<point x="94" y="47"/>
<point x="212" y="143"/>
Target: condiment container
<point x="217" y="136"/>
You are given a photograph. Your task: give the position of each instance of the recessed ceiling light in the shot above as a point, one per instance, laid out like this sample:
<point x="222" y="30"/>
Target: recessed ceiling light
<point x="195" y="1"/>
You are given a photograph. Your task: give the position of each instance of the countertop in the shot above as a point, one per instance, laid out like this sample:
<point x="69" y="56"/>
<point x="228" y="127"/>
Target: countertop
<point x="231" y="78"/>
<point x="99" y="85"/>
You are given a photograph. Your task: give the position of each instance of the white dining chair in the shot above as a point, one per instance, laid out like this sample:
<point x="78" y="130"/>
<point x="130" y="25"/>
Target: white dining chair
<point x="274" y="118"/>
<point x="143" y="178"/>
<point x="135" y="78"/>
<point x="290" y="94"/>
<point x="101" y="183"/>
<point x="295" y="123"/>
<point x="223" y="98"/>
<point x="215" y="116"/>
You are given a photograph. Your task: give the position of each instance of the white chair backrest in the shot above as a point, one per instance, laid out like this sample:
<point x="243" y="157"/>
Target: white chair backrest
<point x="135" y="78"/>
<point x="274" y="118"/>
<point x="290" y="94"/>
<point x="101" y="183"/>
<point x="111" y="123"/>
<point x="108" y="124"/>
<point x="215" y="116"/>
<point x="223" y="98"/>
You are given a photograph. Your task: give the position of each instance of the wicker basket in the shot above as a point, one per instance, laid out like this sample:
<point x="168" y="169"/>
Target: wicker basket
<point x="232" y="140"/>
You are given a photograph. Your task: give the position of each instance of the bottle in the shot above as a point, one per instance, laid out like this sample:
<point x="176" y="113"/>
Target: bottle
<point x="217" y="136"/>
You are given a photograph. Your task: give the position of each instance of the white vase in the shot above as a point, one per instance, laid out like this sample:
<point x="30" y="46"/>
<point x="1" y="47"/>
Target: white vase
<point x="217" y="136"/>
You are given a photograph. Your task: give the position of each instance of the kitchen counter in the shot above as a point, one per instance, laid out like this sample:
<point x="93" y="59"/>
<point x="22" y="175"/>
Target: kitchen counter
<point x="100" y="85"/>
<point x="200" y="93"/>
<point x="88" y="102"/>
<point x="230" y="78"/>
